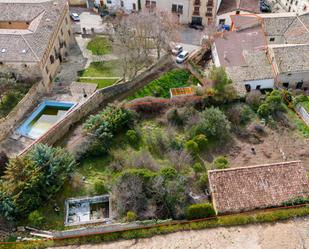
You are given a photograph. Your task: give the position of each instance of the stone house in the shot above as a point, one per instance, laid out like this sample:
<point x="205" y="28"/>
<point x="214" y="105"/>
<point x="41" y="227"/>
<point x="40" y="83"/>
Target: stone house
<point x="34" y="35"/>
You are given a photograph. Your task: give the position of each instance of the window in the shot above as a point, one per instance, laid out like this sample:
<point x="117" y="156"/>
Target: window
<point x="174" y="8"/>
<point x="25" y="65"/>
<point x="272" y="39"/>
<point x="1" y="63"/>
<point x="52" y="59"/>
<point x="46" y="69"/>
<point x="289" y="74"/>
<point x="134" y="6"/>
<point x="258" y="87"/>
<point x="237" y="12"/>
<point x="248" y="87"/>
<point x="180" y="9"/>
<point x="121" y="4"/>
<point x="285" y="85"/>
<point x="69" y="32"/>
<point x="299" y="85"/>
<point x="109" y="1"/>
<point x="177" y="8"/>
<point x="221" y="21"/>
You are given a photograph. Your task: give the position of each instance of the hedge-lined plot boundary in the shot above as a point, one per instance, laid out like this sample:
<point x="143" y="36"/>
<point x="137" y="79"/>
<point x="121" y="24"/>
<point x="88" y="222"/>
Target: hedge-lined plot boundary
<point x="267" y="215"/>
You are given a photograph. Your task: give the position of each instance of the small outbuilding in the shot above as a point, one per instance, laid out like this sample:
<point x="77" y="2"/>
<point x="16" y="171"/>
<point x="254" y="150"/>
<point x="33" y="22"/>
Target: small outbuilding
<point x="255" y="187"/>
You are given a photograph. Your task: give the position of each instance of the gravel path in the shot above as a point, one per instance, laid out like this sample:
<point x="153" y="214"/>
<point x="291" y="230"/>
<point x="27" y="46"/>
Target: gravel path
<point x="293" y="234"/>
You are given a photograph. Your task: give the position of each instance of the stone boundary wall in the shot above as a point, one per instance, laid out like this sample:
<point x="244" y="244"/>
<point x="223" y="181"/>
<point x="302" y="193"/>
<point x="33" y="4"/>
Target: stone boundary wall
<point x="302" y="112"/>
<point x="97" y="99"/>
<point x="29" y="101"/>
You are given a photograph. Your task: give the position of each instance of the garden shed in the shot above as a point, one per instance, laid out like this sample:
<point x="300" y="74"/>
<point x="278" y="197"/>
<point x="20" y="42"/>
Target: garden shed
<point x="253" y="187"/>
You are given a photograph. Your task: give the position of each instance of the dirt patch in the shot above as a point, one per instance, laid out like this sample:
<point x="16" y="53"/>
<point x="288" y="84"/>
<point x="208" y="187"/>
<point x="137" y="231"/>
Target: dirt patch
<point x="274" y="145"/>
<point x="285" y="235"/>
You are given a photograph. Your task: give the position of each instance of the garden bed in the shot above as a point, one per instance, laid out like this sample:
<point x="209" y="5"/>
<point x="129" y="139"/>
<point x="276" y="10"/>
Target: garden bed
<point x="161" y="86"/>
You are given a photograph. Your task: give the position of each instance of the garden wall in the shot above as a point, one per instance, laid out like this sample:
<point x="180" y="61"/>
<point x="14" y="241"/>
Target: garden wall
<point x="101" y="98"/>
<point x="303" y="113"/>
<point x="29" y="101"/>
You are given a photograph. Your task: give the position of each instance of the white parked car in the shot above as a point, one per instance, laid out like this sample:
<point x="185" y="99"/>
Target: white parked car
<point x="75" y="17"/>
<point x="177" y="50"/>
<point x="182" y="57"/>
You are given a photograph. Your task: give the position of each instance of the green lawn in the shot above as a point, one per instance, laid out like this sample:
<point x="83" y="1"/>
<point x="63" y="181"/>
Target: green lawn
<point x="100" y="46"/>
<point x="102" y="83"/>
<point x="161" y="86"/>
<point x="300" y="124"/>
<point x="102" y="69"/>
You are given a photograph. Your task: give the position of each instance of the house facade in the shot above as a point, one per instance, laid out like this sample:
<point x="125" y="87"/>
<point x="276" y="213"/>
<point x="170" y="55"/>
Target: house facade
<point x="298" y="6"/>
<point x="198" y="12"/>
<point x="33" y="38"/>
<point x="228" y="8"/>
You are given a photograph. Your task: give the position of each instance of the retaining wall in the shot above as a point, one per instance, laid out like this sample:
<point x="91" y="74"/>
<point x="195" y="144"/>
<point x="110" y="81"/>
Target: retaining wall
<point x="302" y="112"/>
<point x="29" y="101"/>
<point x="100" y="98"/>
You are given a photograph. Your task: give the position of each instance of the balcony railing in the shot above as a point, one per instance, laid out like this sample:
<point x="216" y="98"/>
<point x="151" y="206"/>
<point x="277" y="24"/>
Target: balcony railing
<point x="197" y="2"/>
<point x="210" y="3"/>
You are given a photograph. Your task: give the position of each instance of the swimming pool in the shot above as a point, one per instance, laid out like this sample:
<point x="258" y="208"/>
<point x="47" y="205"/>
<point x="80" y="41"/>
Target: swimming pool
<point x="43" y="118"/>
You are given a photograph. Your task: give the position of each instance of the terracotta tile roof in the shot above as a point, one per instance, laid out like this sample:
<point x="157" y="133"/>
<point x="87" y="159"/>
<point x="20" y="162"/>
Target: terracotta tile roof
<point x="226" y="6"/>
<point x="28" y="45"/>
<point x="242" y="189"/>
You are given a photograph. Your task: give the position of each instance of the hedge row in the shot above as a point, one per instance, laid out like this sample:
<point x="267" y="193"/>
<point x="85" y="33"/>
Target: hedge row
<point x="229" y="220"/>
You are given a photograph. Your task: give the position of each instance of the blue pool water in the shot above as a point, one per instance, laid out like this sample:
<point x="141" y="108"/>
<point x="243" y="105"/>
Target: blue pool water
<point x="43" y="118"/>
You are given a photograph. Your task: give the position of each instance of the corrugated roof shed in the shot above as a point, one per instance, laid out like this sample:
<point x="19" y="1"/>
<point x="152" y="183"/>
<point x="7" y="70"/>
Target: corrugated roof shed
<point x="241" y="189"/>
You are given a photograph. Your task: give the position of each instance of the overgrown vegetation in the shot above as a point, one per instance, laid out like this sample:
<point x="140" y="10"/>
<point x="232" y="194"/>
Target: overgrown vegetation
<point x="160" y="87"/>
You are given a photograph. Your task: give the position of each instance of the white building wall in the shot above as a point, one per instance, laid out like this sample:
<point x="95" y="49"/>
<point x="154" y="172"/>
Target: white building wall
<point x="114" y="4"/>
<point x="166" y="5"/>
<point x="264" y="84"/>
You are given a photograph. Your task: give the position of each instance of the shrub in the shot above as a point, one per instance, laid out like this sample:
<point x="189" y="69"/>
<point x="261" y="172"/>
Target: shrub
<point x="107" y="123"/>
<point x="3" y="162"/>
<point x="131" y="216"/>
<point x="239" y="114"/>
<point x="201" y="141"/>
<point x="168" y="172"/>
<point x="213" y="124"/>
<point x="192" y="147"/>
<point x="199" y="211"/>
<point x="221" y="162"/>
<point x="132" y="137"/>
<point x="253" y="99"/>
<point x="100" y="187"/>
<point x="203" y="181"/>
<point x="264" y="110"/>
<point x="198" y="167"/>
<point x="36" y="219"/>
<point x="174" y="118"/>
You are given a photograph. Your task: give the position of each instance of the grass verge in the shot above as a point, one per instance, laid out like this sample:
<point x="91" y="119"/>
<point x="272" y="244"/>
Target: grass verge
<point x="102" y="83"/>
<point x="221" y="221"/>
